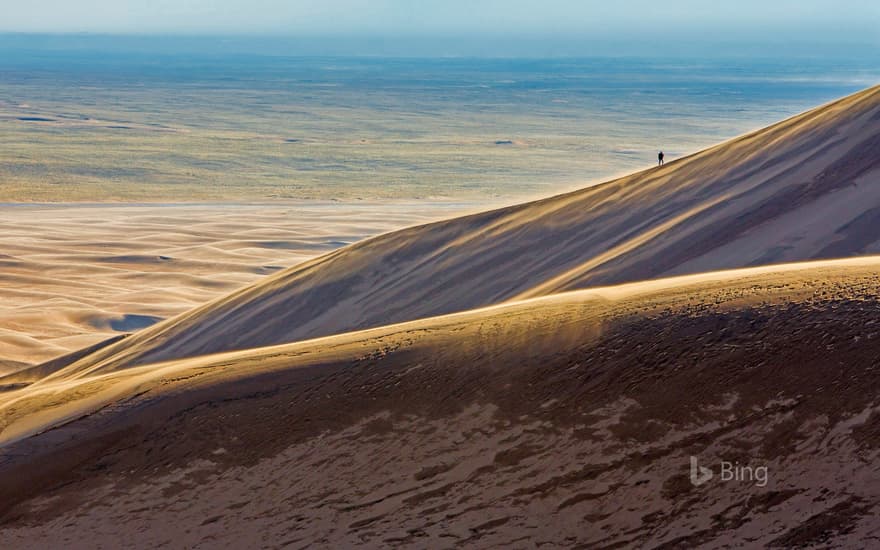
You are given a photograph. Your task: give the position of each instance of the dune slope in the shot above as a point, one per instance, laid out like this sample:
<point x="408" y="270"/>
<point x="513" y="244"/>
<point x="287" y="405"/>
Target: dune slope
<point x="806" y="188"/>
<point x="567" y="420"/>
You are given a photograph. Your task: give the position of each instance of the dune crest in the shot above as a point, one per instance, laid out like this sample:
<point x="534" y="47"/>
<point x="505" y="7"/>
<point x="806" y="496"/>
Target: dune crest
<point x="805" y="188"/>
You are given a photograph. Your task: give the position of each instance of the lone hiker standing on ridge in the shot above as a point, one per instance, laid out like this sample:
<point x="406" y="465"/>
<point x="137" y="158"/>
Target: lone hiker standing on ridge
<point x="660" y="158"/>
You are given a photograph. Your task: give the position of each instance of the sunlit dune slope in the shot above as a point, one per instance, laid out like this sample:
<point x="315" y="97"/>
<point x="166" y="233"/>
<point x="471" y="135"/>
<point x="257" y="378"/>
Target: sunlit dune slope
<point x="806" y="188"/>
<point x="568" y="419"/>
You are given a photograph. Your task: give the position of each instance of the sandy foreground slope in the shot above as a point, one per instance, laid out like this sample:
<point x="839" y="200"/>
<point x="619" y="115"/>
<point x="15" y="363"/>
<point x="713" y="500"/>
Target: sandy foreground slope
<point x="566" y="420"/>
<point x="806" y="188"/>
<point x="73" y="275"/>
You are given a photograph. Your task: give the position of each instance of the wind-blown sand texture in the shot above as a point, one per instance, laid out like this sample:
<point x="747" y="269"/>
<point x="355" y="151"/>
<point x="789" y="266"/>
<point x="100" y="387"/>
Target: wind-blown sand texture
<point x="566" y="421"/>
<point x="488" y="403"/>
<point x="71" y="276"/>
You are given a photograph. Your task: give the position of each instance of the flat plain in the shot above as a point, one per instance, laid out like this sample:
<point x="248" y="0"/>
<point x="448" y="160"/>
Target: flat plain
<point x="81" y="127"/>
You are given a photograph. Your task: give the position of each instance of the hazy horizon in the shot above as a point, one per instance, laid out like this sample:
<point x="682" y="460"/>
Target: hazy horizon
<point x="458" y="27"/>
<point x="530" y="46"/>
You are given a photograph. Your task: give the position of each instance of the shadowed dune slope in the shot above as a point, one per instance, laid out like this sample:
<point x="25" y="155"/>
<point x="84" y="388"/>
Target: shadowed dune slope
<point x="567" y="420"/>
<point x="805" y="188"/>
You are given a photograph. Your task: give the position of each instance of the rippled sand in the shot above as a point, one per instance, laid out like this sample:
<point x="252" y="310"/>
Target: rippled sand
<point x="74" y="275"/>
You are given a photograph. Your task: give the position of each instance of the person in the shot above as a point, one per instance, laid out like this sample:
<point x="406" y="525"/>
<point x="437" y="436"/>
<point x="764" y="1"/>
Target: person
<point x="660" y="156"/>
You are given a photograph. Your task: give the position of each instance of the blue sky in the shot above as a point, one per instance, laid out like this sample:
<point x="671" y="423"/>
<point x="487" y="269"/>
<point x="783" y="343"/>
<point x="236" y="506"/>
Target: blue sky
<point x="402" y="17"/>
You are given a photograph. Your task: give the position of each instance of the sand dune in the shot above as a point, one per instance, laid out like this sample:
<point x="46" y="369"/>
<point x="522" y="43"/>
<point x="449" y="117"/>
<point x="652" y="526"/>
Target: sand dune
<point x="485" y="401"/>
<point x="805" y="188"/>
<point x="566" y="420"/>
<point x="74" y="275"/>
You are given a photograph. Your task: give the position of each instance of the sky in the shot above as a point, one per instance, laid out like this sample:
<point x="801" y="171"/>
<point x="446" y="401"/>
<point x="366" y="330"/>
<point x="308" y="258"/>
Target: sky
<point x="557" y="22"/>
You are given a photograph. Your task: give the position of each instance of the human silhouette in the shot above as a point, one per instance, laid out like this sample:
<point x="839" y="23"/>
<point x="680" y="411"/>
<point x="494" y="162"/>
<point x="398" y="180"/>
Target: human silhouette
<point x="660" y="156"/>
